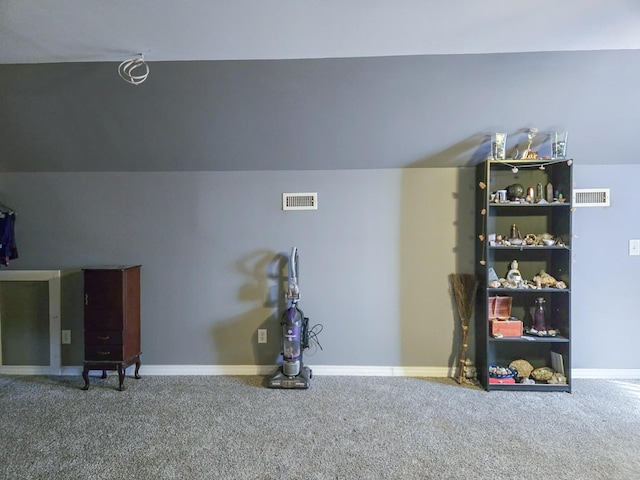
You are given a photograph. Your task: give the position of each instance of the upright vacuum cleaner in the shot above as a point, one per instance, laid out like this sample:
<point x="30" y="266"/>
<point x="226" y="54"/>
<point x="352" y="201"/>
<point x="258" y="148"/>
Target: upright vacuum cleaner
<point x="295" y="336"/>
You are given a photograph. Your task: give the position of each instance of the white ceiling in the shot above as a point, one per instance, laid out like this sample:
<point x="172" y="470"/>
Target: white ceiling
<point x="44" y="31"/>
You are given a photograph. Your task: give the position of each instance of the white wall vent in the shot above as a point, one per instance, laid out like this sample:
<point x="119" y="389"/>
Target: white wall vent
<point x="591" y="197"/>
<point x="299" y="201"/>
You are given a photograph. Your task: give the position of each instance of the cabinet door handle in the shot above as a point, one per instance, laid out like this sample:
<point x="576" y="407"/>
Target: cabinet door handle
<point x="86" y="299"/>
<point x="104" y="353"/>
<point x="104" y="338"/>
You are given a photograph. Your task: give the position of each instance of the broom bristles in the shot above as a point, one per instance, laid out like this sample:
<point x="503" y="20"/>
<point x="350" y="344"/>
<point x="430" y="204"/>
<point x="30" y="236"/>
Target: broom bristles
<point x="463" y="287"/>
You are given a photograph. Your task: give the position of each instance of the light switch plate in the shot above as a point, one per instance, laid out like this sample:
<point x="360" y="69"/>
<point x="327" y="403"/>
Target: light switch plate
<point x="66" y="337"/>
<point x="634" y="247"/>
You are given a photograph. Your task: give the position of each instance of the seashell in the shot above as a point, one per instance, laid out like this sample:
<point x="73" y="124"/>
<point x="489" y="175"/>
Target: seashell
<point x="523" y="367"/>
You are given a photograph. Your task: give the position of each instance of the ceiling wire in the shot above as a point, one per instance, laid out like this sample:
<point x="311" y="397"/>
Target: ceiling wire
<point x="127" y="70"/>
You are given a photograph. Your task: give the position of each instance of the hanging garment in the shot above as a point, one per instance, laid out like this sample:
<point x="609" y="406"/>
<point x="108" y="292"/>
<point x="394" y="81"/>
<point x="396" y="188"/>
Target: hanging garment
<point x="8" y="249"/>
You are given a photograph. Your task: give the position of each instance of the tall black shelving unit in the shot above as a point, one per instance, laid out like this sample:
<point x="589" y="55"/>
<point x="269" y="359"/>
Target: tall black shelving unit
<point x="497" y="217"/>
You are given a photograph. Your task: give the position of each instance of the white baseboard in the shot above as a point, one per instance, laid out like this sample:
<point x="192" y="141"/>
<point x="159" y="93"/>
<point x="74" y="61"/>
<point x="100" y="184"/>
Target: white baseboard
<point x="207" y="369"/>
<point x="606" y="373"/>
<point x="336" y="370"/>
<point x="381" y="371"/>
<point x="318" y="370"/>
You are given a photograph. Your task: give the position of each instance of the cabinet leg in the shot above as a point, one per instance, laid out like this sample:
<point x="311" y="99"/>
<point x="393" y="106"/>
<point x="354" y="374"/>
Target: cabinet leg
<point x="136" y="375"/>
<point x="85" y="376"/>
<point x="121" y="371"/>
<point x="104" y="374"/>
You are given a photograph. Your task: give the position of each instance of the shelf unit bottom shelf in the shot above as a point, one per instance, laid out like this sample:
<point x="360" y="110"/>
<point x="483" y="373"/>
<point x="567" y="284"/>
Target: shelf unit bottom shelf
<point x="538" y="387"/>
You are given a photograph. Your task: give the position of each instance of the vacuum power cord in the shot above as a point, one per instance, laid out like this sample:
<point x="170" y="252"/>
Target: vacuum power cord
<point x="314" y="332"/>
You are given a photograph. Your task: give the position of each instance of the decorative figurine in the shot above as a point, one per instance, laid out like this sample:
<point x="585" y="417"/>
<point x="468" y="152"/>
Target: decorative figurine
<point x="514" y="279"/>
<point x="528" y="153"/>
<point x="470" y="372"/>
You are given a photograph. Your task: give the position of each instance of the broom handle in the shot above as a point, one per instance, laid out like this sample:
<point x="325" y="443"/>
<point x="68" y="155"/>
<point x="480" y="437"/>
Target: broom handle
<point x="463" y="352"/>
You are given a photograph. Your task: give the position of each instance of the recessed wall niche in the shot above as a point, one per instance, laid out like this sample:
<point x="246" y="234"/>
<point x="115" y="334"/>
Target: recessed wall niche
<point x="30" y="322"/>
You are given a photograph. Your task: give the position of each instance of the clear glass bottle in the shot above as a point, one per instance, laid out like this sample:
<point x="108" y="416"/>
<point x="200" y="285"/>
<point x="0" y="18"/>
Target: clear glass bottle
<point x="539" y="318"/>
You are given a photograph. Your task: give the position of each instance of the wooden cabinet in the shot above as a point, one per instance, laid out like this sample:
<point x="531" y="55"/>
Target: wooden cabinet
<point x="111" y="321"/>
<point x="523" y="224"/>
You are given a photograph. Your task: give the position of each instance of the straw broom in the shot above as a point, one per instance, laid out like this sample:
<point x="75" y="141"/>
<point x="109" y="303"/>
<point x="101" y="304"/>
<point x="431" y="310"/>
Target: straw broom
<point x="463" y="289"/>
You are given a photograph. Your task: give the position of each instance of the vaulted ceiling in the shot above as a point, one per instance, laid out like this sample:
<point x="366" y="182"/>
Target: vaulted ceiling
<point x="43" y="31"/>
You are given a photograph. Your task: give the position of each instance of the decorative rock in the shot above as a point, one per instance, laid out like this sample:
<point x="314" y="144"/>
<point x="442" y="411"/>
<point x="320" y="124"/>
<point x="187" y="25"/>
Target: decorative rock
<point x="542" y="374"/>
<point x="557" y="379"/>
<point x="523" y="367"/>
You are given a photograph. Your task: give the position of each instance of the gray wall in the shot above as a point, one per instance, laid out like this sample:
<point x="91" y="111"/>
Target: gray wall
<point x="328" y="114"/>
<point x="375" y="256"/>
<point x="605" y="278"/>
<point x="374" y="259"/>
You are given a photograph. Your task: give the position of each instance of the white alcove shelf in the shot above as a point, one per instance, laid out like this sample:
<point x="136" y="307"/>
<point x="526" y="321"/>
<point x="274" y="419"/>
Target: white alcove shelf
<point x="53" y="279"/>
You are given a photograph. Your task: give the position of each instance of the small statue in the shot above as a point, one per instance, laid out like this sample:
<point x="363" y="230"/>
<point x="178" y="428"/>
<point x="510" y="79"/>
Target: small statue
<point x="470" y="373"/>
<point x="514" y="279"/>
<point x="528" y="153"/>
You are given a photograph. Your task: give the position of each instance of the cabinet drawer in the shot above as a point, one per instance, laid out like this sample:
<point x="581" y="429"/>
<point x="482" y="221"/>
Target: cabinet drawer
<point x="103" y="318"/>
<point x="93" y="353"/>
<point x="103" y="337"/>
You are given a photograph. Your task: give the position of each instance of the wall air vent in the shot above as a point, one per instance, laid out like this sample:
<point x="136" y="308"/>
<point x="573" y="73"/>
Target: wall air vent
<point x="299" y="201"/>
<point x="591" y="197"/>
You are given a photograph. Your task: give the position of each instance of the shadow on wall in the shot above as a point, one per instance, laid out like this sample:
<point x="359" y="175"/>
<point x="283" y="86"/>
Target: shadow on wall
<point x="468" y="153"/>
<point x="436" y="239"/>
<point x="466" y="217"/>
<point x="465" y="246"/>
<point x="236" y="338"/>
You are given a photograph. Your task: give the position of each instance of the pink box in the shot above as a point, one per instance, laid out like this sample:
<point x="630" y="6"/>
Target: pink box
<point x="507" y="328"/>
<point x="498" y="381"/>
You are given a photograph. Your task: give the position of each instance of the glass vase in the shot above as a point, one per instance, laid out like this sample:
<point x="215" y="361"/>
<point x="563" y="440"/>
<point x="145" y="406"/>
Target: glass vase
<point x="499" y="146"/>
<point x="559" y="145"/>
